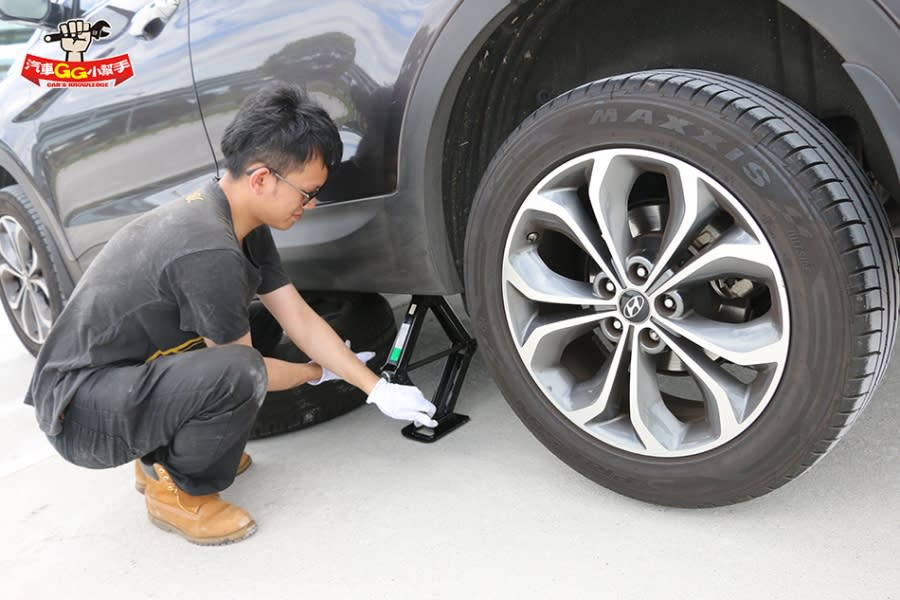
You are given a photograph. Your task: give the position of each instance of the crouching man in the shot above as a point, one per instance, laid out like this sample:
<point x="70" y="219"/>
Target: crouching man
<point x="154" y="358"/>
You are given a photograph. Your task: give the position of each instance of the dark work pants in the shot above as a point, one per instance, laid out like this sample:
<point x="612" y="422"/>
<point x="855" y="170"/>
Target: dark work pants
<point x="190" y="412"/>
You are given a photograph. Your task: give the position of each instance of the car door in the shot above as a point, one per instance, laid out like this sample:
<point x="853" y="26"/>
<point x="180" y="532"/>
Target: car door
<point x="103" y="156"/>
<point x="356" y="59"/>
<point x="348" y="56"/>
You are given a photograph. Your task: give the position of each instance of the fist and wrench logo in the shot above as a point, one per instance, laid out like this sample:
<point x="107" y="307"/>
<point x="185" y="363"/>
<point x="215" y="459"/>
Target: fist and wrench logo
<point x="75" y="37"/>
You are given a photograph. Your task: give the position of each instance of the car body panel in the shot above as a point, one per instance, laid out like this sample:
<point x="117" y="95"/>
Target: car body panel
<point x="13" y="41"/>
<point x="98" y="158"/>
<point x="358" y="60"/>
<point x="107" y="155"/>
<point x="867" y="36"/>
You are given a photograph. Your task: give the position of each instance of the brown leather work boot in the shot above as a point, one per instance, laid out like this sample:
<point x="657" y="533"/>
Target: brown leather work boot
<point x="206" y="520"/>
<point x="140" y="478"/>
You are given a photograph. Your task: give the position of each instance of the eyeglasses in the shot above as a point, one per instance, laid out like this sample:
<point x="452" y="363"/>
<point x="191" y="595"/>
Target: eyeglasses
<point x="308" y="196"/>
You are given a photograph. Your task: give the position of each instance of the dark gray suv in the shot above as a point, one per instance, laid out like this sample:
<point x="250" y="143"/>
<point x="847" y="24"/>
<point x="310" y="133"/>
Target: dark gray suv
<point x="672" y="221"/>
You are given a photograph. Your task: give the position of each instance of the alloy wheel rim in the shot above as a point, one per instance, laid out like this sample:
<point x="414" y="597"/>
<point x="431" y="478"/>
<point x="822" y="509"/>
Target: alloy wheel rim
<point x="23" y="281"/>
<point x="645" y="302"/>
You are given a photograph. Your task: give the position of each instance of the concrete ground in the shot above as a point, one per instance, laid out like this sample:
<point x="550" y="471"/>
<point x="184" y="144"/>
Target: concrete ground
<point x="350" y="509"/>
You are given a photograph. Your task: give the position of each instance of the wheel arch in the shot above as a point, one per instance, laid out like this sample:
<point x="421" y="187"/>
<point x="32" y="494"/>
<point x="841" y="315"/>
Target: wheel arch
<point x="509" y="69"/>
<point x="13" y="173"/>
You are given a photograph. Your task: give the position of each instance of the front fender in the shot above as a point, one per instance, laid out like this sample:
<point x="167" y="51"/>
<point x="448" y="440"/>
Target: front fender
<point x="867" y="36"/>
<point x="10" y="163"/>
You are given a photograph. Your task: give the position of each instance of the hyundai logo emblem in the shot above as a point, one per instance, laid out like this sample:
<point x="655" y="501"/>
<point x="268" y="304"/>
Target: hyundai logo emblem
<point x="634" y="306"/>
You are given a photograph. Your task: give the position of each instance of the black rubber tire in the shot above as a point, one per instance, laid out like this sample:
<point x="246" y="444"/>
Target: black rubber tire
<point x="367" y="320"/>
<point x="823" y="221"/>
<point x="14" y="203"/>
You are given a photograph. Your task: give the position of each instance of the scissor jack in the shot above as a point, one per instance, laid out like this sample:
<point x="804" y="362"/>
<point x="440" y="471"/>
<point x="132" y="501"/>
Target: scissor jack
<point x="458" y="357"/>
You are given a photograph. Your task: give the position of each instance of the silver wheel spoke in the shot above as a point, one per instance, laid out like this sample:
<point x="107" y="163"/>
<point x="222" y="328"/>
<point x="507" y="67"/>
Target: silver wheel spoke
<point x="23" y="248"/>
<point x="603" y="387"/>
<point x="690" y="207"/>
<point x="41" y="284"/>
<point x="26" y="314"/>
<point x="19" y="299"/>
<point x="13" y="286"/>
<point x="528" y="273"/>
<point x="8" y="250"/>
<point x="41" y="317"/>
<point x="757" y="342"/>
<point x="33" y="266"/>
<point x="611" y="178"/>
<point x="654" y="423"/>
<point x="735" y="253"/>
<point x="566" y="214"/>
<point x="549" y="337"/>
<point x="726" y="397"/>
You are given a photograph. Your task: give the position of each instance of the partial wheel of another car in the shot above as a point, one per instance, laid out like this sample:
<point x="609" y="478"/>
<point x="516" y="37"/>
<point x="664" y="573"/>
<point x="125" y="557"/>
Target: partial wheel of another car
<point x="29" y="288"/>
<point x="683" y="284"/>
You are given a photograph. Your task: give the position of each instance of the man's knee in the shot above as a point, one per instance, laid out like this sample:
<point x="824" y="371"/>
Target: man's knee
<point x="244" y="375"/>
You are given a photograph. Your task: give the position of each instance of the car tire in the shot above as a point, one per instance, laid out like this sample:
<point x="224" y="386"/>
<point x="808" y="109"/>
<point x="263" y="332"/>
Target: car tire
<point x="367" y="320"/>
<point x="29" y="267"/>
<point x="781" y="271"/>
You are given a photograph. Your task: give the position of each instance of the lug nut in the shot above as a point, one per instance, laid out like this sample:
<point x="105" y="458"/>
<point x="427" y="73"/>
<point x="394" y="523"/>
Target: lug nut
<point x="671" y="305"/>
<point x="603" y="287"/>
<point x="651" y="343"/>
<point x="638" y="269"/>
<point x="612" y="329"/>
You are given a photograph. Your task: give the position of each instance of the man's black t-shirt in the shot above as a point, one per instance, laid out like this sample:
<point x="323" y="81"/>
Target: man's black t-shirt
<point x="162" y="283"/>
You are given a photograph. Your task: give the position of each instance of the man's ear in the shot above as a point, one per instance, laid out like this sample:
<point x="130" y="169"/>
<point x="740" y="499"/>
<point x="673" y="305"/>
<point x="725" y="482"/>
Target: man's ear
<point x="256" y="180"/>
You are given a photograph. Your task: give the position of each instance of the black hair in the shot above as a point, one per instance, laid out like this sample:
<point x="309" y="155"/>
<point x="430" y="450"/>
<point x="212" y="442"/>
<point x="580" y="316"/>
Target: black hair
<point x="281" y="127"/>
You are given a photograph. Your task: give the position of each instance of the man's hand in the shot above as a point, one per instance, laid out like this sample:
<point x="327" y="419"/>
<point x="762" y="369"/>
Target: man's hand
<point x="404" y="402"/>
<point x="282" y="375"/>
<point x="327" y="375"/>
<point x="314" y="336"/>
<point x="75" y="39"/>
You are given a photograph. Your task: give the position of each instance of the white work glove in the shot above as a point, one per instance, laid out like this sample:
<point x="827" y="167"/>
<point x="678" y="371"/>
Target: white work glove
<point x="327" y="375"/>
<point x="404" y="402"/>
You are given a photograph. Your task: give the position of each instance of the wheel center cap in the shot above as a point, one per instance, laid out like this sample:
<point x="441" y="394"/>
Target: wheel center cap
<point x="634" y="306"/>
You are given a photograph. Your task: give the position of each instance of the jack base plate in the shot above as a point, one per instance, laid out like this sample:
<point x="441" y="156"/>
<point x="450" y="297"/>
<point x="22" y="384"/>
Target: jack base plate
<point x="446" y="424"/>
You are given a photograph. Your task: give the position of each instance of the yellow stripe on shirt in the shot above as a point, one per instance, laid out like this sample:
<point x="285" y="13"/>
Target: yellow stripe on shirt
<point x="184" y="347"/>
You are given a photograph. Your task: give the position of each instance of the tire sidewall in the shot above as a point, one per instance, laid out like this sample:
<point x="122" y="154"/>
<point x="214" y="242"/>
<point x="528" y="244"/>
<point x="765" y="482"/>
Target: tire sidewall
<point x="819" y="304"/>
